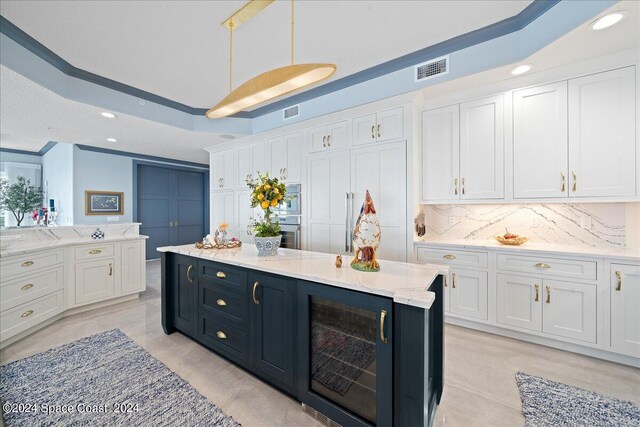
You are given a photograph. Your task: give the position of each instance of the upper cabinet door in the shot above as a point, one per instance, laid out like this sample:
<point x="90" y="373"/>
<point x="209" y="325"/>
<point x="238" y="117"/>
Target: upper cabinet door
<point x="317" y="139"/>
<point x="277" y="156"/>
<point x="258" y="160"/>
<point x="292" y="171"/>
<point x="364" y="129"/>
<point x="602" y="140"/>
<point x="440" y="154"/>
<point x="243" y="165"/>
<point x="540" y="142"/>
<point x="482" y="149"/>
<point x="228" y="169"/>
<point x="217" y="172"/>
<point x="338" y="135"/>
<point x="390" y="125"/>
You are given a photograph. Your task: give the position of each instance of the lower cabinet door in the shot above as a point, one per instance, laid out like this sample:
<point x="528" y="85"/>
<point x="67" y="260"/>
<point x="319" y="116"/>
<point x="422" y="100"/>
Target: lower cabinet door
<point x="94" y="280"/>
<point x="132" y="271"/>
<point x="345" y="354"/>
<point x="273" y="320"/>
<point x="469" y="293"/>
<point x="520" y="301"/>
<point x="569" y="310"/>
<point x="185" y="293"/>
<point x="625" y="309"/>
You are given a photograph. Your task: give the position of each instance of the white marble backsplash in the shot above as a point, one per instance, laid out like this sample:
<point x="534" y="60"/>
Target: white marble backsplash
<point x="598" y="224"/>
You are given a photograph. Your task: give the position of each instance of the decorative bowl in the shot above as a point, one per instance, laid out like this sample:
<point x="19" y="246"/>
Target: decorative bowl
<point x="516" y="241"/>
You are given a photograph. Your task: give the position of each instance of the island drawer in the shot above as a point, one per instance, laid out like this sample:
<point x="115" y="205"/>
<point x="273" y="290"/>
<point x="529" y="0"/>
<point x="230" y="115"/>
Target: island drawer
<point x="26" y="263"/>
<point x="453" y="257"/>
<point x="220" y="300"/>
<point x="24" y="316"/>
<point x="96" y="251"/>
<point x="225" y="274"/>
<point x="571" y="268"/>
<point x="27" y="288"/>
<point x="224" y="337"/>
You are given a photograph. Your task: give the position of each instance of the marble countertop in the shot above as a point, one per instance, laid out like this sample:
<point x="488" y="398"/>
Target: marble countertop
<point x="530" y="247"/>
<point x="18" y="248"/>
<point x="405" y="283"/>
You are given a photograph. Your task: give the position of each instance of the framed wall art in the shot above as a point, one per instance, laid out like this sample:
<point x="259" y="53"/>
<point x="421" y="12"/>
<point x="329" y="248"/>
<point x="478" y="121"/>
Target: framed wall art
<point x="103" y="203"/>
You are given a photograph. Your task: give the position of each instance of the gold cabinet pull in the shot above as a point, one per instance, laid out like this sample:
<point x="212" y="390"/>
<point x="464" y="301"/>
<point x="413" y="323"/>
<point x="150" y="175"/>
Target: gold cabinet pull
<point x="548" y="295"/>
<point x="253" y="293"/>
<point x="27" y="313"/>
<point x="26" y="287"/>
<point x="564" y="180"/>
<point x="575" y="181"/>
<point x="94" y="251"/>
<point x="449" y="256"/>
<point x="537" y="293"/>
<point x="221" y="335"/>
<point x="221" y="302"/>
<point x="619" y="276"/>
<point x="189" y="270"/>
<point x="373" y="135"/>
<point x="383" y="316"/>
<point x="221" y="274"/>
<point x="542" y="265"/>
<point x="455" y="186"/>
<point x="453" y="280"/>
<point x="462" y="185"/>
<point x="26" y="264"/>
<point x="446" y="285"/>
<point x="110" y="269"/>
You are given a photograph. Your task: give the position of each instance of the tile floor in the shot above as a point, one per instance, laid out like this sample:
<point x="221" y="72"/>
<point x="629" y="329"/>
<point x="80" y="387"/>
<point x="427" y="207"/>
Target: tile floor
<point x="480" y="388"/>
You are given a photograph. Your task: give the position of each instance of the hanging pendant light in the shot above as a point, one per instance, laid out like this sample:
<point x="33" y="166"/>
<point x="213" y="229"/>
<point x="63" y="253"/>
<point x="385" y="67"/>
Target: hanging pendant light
<point x="269" y="85"/>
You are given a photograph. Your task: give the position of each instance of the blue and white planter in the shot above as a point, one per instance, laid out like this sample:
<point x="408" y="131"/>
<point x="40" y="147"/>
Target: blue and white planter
<point x="268" y="246"/>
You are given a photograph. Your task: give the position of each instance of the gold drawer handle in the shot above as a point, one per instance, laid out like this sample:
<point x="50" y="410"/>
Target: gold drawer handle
<point x="26" y="264"/>
<point x="383" y="315"/>
<point x="542" y="265"/>
<point x="449" y="256"/>
<point x="27" y="286"/>
<point x="27" y="313"/>
<point x="221" y="274"/>
<point x="95" y="251"/>
<point x="221" y="335"/>
<point x="221" y="302"/>
<point x="619" y="276"/>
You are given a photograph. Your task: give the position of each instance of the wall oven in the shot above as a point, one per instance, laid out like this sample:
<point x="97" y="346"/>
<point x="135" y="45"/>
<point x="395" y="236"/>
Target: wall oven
<point x="290" y="217"/>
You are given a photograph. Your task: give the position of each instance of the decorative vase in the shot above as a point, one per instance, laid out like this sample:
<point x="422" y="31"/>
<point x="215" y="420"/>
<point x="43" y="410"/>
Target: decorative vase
<point x="268" y="246"/>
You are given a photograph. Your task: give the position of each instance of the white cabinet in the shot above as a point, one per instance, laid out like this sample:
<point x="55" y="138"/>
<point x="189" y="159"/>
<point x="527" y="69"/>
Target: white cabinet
<point x="250" y="159"/>
<point x="540" y="142"/>
<point x="381" y="169"/>
<point x="222" y="210"/>
<point x="328" y="185"/>
<point x="94" y="280"/>
<point x="245" y="216"/>
<point x="334" y="136"/>
<point x="625" y="309"/>
<point x="570" y="310"/>
<point x="468" y="294"/>
<point x="440" y="153"/>
<point x="602" y="140"/>
<point x="285" y="157"/>
<point x="222" y="170"/>
<point x="383" y="126"/>
<point x="519" y="301"/>
<point x="482" y="149"/>
<point x="132" y="271"/>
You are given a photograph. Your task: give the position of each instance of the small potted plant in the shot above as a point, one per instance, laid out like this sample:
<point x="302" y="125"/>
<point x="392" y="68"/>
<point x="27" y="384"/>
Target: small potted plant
<point x="267" y="194"/>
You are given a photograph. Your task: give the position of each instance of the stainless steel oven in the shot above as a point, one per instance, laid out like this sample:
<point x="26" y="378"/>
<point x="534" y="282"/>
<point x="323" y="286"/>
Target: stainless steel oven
<point x="290" y="217"/>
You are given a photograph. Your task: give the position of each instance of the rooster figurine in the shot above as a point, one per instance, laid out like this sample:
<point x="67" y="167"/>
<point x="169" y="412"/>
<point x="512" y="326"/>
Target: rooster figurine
<point x="366" y="237"/>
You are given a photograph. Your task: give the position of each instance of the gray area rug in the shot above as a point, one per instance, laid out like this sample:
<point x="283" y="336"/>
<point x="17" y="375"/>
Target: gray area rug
<point x="548" y="403"/>
<point x="106" y="372"/>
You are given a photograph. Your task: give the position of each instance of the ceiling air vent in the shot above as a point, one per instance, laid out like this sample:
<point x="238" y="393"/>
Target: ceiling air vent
<point x="433" y="68"/>
<point x="290" y="112"/>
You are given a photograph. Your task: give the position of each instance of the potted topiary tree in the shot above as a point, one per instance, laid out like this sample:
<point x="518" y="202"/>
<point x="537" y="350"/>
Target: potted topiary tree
<point x="267" y="194"/>
<point x="19" y="198"/>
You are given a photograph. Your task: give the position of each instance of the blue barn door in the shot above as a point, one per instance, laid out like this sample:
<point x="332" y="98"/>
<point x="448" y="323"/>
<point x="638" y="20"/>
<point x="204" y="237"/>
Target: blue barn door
<point x="170" y="206"/>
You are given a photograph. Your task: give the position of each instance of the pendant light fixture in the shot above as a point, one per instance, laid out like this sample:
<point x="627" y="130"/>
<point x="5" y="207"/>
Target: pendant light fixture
<point x="273" y="83"/>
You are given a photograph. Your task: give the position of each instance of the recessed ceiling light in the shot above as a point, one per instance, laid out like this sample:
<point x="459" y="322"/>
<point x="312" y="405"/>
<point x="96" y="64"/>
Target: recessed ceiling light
<point x="112" y="140"/>
<point x="108" y="115"/>
<point x="608" y="20"/>
<point x="521" y="69"/>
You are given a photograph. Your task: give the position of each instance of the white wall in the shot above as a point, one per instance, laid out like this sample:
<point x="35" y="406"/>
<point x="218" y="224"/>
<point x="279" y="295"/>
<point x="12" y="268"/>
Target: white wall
<point x="57" y="179"/>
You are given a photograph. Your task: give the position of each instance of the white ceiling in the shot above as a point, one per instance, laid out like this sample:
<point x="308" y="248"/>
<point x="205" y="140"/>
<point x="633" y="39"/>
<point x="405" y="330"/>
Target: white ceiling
<point x="32" y="115"/>
<point x="179" y="50"/>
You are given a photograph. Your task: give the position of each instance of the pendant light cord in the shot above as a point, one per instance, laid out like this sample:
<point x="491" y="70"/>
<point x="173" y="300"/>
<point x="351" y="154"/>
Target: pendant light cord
<point x="292" y="32"/>
<point x="230" y="56"/>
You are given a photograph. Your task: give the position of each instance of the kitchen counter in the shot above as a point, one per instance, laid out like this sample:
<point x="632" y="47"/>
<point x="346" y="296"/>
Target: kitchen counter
<point x="31" y="246"/>
<point x="405" y="283"/>
<point x="624" y="254"/>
